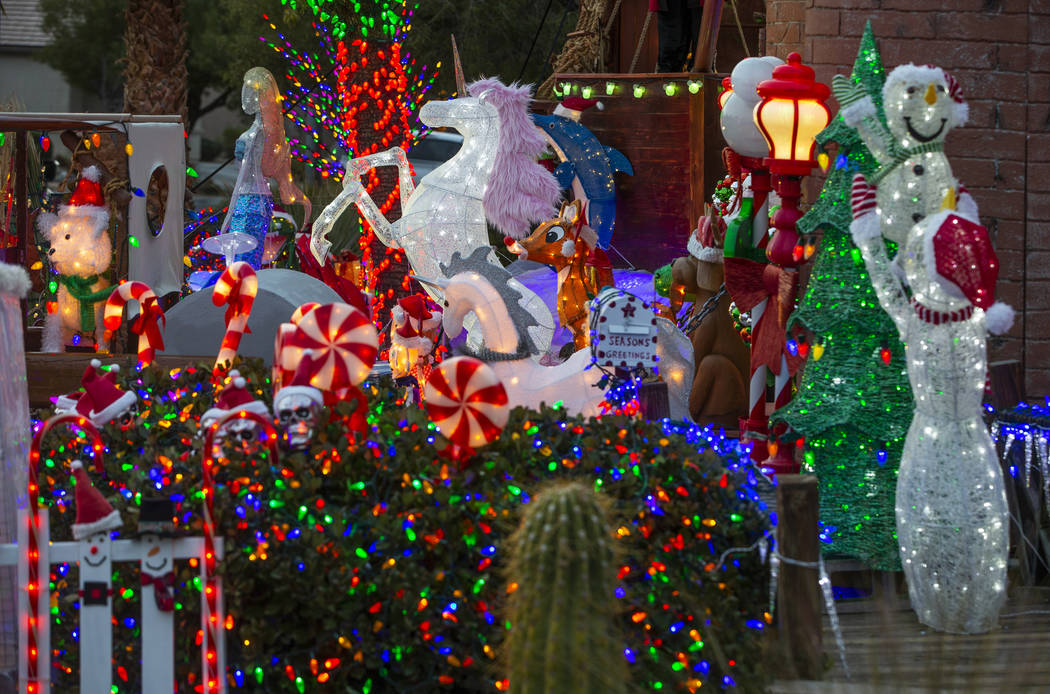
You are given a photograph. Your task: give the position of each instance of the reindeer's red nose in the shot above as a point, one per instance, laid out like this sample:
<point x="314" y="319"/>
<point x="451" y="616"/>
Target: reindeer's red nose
<point x="508" y="241"/>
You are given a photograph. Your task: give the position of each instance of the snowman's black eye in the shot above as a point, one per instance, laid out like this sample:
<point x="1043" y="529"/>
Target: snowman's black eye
<point x="67" y="237"/>
<point x="940" y="88"/>
<point x="911" y="90"/>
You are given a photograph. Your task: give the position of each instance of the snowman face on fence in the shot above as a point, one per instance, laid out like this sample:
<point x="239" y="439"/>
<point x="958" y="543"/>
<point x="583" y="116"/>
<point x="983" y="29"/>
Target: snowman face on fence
<point x="154" y="561"/>
<point x="96" y="549"/>
<point x="919" y="109"/>
<point x="297" y="418"/>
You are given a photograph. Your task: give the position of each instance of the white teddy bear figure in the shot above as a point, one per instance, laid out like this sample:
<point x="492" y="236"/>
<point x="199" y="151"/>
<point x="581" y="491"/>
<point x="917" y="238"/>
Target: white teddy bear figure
<point x="80" y="253"/>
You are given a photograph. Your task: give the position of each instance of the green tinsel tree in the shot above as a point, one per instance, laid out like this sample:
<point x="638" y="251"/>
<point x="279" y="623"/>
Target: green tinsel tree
<point x="854" y="404"/>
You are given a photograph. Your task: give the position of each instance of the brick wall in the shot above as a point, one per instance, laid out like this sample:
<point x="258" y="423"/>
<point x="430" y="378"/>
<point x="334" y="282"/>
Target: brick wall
<point x="999" y="51"/>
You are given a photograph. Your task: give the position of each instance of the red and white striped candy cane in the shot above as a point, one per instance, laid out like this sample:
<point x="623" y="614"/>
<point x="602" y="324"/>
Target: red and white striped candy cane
<point x="35" y="647"/>
<point x="213" y="664"/>
<point x="146" y="326"/>
<point x="345" y="343"/>
<point x="282" y="356"/>
<point x="236" y="289"/>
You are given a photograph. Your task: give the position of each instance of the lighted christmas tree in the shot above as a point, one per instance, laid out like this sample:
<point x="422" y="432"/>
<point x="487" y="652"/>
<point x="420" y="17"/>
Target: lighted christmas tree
<point x="854" y="404"/>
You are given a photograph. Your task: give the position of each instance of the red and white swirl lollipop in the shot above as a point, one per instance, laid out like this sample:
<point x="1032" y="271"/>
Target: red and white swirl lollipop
<point x="467" y="401"/>
<point x="344" y="341"/>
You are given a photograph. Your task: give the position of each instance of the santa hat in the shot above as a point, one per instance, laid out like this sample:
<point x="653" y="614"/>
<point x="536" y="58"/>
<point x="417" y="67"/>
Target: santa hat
<point x="300" y="383"/>
<point x="102" y="400"/>
<point x="87" y="199"/>
<point x="959" y="254"/>
<point x="702" y="244"/>
<point x="415" y="315"/>
<point x="94" y="513"/>
<point x="233" y="398"/>
<point x="573" y="107"/>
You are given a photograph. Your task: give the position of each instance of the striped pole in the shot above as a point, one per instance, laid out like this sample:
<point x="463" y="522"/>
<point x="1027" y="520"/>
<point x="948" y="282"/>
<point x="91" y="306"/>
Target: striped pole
<point x="213" y="656"/>
<point x="147" y="326"/>
<point x="236" y="289"/>
<point x="35" y="644"/>
<point x="758" y="421"/>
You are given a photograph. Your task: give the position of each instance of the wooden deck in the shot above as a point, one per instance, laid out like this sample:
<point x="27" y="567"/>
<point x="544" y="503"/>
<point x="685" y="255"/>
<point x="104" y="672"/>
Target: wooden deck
<point x="889" y="651"/>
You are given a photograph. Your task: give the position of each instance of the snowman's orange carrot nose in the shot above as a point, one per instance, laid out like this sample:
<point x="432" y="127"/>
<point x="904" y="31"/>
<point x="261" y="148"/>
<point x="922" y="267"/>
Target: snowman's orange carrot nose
<point x="931" y="95"/>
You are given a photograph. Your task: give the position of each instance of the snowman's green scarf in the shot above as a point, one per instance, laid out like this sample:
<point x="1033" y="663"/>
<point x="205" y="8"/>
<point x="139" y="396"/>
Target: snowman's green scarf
<point x="900" y="154"/>
<point x="80" y="289"/>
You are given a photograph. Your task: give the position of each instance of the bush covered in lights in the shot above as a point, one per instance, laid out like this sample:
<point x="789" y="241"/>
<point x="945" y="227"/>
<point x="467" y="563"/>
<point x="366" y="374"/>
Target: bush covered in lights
<point x="373" y="563"/>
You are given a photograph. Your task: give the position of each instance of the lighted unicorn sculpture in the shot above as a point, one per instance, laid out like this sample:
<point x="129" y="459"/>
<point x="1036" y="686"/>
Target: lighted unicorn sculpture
<point x="493" y="177"/>
<point x="475" y="286"/>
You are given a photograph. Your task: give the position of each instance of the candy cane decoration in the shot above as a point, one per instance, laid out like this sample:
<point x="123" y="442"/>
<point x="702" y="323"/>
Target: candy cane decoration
<point x="345" y="343"/>
<point x="236" y="288"/>
<point x="35" y="667"/>
<point x="213" y="665"/>
<point x="146" y="326"/>
<point x="467" y="401"/>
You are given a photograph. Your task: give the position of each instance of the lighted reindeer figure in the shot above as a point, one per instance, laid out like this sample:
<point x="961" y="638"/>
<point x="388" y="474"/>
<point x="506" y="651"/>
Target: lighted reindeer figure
<point x="566" y="243"/>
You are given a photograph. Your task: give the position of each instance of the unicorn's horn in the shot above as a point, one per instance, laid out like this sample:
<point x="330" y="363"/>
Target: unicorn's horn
<point x="461" y="82"/>
<point x="438" y="282"/>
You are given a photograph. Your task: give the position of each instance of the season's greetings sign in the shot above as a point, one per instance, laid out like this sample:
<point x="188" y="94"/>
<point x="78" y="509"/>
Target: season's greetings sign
<point x="623" y="330"/>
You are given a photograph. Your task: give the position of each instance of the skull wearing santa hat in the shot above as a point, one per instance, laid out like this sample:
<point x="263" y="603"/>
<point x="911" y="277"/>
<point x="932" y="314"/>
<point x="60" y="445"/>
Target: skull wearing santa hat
<point x="100" y="400"/>
<point x="297" y="404"/>
<point x="235" y="397"/>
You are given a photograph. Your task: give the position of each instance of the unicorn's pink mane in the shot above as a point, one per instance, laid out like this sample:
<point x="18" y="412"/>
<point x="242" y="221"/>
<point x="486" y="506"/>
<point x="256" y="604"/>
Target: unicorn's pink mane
<point x="520" y="191"/>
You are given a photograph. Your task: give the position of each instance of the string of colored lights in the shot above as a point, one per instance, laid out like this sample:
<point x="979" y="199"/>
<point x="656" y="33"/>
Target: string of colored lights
<point x="341" y="517"/>
<point x="351" y="98"/>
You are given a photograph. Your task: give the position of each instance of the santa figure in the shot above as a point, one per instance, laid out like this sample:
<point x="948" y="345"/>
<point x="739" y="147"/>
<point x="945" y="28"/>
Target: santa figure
<point x="80" y="254"/>
<point x="415" y="323"/>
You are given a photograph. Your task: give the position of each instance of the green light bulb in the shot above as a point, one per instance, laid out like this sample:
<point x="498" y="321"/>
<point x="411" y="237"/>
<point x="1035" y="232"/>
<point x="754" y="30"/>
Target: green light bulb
<point x="639" y="91"/>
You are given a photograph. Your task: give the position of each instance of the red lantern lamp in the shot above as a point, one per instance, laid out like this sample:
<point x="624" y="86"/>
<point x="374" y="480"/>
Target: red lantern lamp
<point x="791" y="114"/>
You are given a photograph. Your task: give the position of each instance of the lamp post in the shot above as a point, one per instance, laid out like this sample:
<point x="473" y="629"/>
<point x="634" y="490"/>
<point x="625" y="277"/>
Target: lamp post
<point x="790" y="115"/>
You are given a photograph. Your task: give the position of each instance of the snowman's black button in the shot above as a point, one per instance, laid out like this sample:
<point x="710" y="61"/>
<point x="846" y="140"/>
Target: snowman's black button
<point x="919" y="170"/>
<point x="916" y="217"/>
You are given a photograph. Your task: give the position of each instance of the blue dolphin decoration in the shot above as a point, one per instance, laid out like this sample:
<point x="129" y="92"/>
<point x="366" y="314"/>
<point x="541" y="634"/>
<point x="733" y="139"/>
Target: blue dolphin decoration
<point x="592" y="164"/>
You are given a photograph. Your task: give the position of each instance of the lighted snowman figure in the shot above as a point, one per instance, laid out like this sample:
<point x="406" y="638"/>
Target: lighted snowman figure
<point x="951" y="510"/>
<point x="921" y="103"/>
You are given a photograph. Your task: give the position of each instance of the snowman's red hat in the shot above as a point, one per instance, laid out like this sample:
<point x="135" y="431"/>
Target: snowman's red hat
<point x="300" y="383"/>
<point x="94" y="513"/>
<point x="959" y="254"/>
<point x="102" y="400"/>
<point x="233" y="398"/>
<point x="574" y="106"/>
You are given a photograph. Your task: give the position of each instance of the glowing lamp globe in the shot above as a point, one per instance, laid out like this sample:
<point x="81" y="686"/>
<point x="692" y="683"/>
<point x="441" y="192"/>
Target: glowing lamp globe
<point x="791" y="114"/>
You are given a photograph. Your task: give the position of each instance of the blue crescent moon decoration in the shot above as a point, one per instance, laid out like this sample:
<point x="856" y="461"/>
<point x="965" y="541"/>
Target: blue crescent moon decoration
<point x="590" y="163"/>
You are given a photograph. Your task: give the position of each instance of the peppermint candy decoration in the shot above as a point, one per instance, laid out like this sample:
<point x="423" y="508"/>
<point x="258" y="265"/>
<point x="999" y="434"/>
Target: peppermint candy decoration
<point x="467" y="401"/>
<point x="344" y="341"/>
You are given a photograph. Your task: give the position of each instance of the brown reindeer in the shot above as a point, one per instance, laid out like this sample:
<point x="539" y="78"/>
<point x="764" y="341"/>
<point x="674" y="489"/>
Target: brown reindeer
<point x="571" y="247"/>
<point x="719" y="394"/>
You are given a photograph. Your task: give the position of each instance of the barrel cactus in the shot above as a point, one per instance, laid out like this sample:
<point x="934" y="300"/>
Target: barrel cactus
<point x="564" y="635"/>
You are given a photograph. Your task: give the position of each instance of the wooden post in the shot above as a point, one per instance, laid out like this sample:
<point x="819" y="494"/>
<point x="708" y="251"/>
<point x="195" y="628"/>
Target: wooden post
<point x="799" y="599"/>
<point x="703" y="54"/>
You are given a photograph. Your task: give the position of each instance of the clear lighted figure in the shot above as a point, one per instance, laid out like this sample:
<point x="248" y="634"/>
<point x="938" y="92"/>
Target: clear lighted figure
<point x="951" y="509"/>
<point x="446" y="213"/>
<point x="264" y="154"/>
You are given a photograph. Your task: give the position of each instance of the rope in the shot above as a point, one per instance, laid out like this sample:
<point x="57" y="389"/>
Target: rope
<point x="740" y="28"/>
<point x="535" y="37"/>
<point x="641" y="40"/>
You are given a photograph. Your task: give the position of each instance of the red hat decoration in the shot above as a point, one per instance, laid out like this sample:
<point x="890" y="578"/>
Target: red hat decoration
<point x="94" y="513"/>
<point x="101" y="399"/>
<point x="960" y="254"/>
<point x="235" y="397"/>
<point x="417" y="315"/>
<point x="88" y="191"/>
<point x="573" y="106"/>
<point x="300" y="384"/>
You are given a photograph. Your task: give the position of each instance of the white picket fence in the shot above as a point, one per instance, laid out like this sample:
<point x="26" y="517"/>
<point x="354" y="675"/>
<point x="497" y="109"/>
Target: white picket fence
<point x="96" y="615"/>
